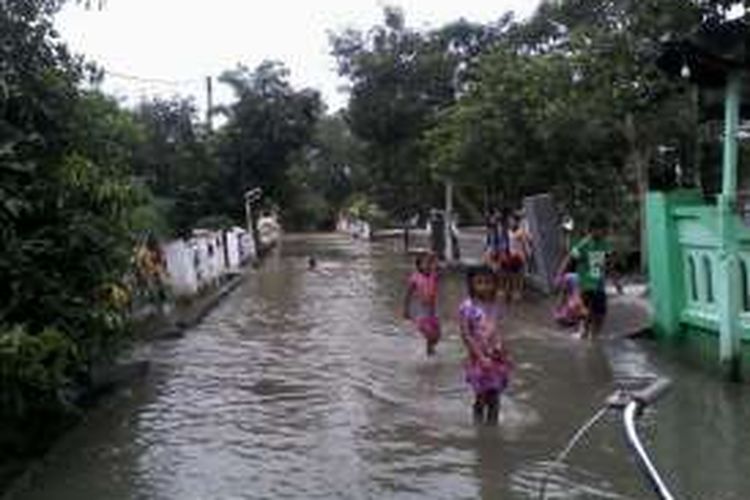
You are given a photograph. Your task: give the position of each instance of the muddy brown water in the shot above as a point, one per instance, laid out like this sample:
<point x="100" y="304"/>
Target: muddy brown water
<point x="305" y="384"/>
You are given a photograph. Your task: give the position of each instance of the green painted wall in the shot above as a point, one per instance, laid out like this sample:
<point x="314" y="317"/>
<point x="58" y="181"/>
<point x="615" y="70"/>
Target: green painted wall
<point x="665" y="259"/>
<point x="698" y="256"/>
<point x="699" y="280"/>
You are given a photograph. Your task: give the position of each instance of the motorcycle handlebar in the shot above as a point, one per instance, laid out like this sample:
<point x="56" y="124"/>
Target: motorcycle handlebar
<point x="653" y="392"/>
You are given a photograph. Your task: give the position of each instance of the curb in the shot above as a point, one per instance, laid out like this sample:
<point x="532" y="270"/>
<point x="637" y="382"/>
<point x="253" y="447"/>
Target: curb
<point x="179" y="321"/>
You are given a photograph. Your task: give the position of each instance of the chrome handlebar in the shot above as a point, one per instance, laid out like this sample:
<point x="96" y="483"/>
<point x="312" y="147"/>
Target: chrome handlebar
<point x="634" y="403"/>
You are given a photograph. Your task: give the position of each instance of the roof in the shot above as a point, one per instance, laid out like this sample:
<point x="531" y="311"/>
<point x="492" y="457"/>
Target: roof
<point x="711" y="52"/>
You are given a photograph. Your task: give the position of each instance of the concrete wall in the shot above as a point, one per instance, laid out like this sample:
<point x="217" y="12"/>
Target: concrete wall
<point x="181" y="272"/>
<point x="204" y="259"/>
<point x="685" y="259"/>
<point x="544" y="226"/>
<point x="470" y="241"/>
<point x="233" y="248"/>
<point x="247" y="247"/>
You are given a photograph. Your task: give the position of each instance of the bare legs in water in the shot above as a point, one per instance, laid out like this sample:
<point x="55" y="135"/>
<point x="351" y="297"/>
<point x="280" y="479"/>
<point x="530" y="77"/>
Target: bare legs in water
<point x="487" y="408"/>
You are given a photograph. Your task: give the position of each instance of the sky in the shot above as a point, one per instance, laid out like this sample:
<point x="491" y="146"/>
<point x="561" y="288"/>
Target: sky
<point x="169" y="47"/>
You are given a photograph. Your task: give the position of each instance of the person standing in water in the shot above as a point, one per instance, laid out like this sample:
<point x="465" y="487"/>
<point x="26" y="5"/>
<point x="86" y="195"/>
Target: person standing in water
<point x="487" y="367"/>
<point x="496" y="244"/>
<point x="519" y="251"/>
<point x="570" y="310"/>
<point x="420" y="301"/>
<point x="590" y="255"/>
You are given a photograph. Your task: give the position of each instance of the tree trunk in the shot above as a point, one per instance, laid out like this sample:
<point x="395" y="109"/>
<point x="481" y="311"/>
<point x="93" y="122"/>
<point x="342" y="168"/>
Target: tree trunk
<point x="638" y="160"/>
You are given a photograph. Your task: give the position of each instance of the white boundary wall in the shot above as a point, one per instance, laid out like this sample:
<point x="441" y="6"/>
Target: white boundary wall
<point x="204" y="259"/>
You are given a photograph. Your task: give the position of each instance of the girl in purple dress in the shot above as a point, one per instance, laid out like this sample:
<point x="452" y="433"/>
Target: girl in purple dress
<point x="486" y="367"/>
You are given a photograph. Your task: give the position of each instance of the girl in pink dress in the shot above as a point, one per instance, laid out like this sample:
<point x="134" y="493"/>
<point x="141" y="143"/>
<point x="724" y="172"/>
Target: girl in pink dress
<point x="570" y="310"/>
<point x="420" y="303"/>
<point x="486" y="367"/>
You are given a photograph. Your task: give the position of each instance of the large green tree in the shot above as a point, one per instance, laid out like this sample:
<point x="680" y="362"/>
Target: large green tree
<point x="268" y="126"/>
<point x="175" y="160"/>
<point x="326" y="176"/>
<point x="400" y="81"/>
<point x="571" y="102"/>
<point x="65" y="212"/>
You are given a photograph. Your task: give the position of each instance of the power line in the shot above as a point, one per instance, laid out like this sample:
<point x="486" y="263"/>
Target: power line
<point x="174" y="83"/>
<point x="159" y="81"/>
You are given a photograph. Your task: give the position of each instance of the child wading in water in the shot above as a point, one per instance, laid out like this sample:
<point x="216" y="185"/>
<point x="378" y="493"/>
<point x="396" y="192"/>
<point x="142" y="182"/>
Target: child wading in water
<point x="590" y="255"/>
<point x="496" y="244"/>
<point x="420" y="303"/>
<point x="570" y="310"/>
<point x="519" y="251"/>
<point x="486" y="367"/>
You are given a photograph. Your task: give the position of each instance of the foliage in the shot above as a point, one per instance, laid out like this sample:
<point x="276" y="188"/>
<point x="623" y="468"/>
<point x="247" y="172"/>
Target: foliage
<point x="307" y="209"/>
<point x="401" y="80"/>
<point x="323" y="178"/>
<point x="360" y="206"/>
<point x="175" y="161"/>
<point x="215" y="222"/>
<point x="571" y="102"/>
<point x="267" y="129"/>
<point x="151" y="215"/>
<point x="65" y="204"/>
<point x="34" y="370"/>
<point x="73" y="240"/>
<point x="568" y="101"/>
<point x="335" y="161"/>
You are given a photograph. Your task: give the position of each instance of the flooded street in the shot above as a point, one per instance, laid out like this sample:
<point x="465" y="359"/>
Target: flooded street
<point x="306" y="384"/>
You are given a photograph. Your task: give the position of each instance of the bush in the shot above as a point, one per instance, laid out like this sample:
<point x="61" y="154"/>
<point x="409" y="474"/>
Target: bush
<point x="361" y="207"/>
<point x="35" y="371"/>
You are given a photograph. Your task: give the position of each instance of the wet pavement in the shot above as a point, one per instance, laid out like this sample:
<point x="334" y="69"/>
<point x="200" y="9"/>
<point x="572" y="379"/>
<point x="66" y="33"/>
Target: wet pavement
<point x="306" y="384"/>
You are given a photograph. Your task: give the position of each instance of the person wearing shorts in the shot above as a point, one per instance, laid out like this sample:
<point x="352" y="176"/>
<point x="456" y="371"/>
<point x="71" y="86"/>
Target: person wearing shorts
<point x="591" y="255"/>
<point x="420" y="302"/>
<point x="519" y="244"/>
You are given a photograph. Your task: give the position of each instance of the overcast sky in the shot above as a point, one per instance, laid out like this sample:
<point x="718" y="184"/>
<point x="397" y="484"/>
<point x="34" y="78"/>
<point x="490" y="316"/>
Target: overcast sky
<point x="183" y="41"/>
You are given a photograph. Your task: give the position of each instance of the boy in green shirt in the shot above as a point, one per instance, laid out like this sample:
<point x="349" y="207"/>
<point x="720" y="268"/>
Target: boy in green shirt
<point x="590" y="255"/>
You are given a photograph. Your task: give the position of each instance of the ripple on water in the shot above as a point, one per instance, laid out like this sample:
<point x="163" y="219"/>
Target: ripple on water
<point x="307" y="385"/>
<point x="558" y="481"/>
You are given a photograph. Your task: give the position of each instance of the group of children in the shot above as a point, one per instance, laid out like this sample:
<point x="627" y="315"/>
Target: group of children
<point x="507" y="252"/>
<point x="487" y="365"/>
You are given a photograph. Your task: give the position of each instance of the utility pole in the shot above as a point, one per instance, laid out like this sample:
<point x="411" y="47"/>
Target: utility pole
<point x="730" y="305"/>
<point x="449" y="250"/>
<point x="210" y="104"/>
<point x="251" y="197"/>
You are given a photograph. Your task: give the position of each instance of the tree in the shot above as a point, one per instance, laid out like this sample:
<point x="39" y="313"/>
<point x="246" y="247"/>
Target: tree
<point x="401" y="80"/>
<point x="65" y="213"/>
<point x="325" y="177"/>
<point x="267" y="128"/>
<point x="175" y="160"/>
<point x="571" y="102"/>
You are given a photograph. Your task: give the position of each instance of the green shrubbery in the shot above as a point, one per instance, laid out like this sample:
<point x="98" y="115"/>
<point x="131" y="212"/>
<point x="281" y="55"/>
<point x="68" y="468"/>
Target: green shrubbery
<point x="35" y="370"/>
<point x="66" y="216"/>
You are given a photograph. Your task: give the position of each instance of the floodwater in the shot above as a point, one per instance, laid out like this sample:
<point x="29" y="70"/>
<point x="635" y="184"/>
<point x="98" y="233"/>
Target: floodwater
<point x="306" y="384"/>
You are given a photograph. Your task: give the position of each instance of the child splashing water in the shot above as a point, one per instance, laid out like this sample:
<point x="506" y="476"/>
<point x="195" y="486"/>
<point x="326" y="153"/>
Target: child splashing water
<point x="487" y="366"/>
<point x="420" y="303"/>
<point x="570" y="309"/>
